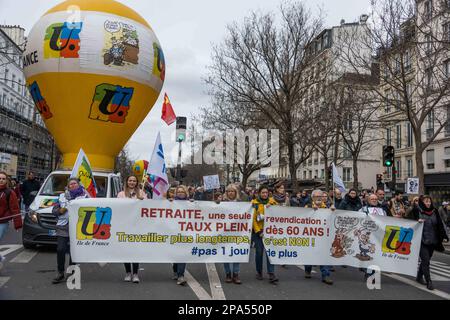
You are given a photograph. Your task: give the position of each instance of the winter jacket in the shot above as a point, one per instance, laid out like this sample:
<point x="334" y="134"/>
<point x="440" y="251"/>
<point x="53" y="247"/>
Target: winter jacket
<point x="338" y="202"/>
<point x="350" y="204"/>
<point x="438" y="228"/>
<point x="28" y="186"/>
<point x="258" y="211"/>
<point x="9" y="207"/>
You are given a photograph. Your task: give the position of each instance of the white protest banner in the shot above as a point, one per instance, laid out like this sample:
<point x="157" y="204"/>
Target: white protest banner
<point x="298" y="236"/>
<point x="150" y="231"/>
<point x="211" y="182"/>
<point x="412" y="186"/>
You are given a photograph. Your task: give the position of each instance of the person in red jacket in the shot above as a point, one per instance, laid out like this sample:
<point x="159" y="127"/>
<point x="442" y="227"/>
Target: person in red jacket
<point x="9" y="209"/>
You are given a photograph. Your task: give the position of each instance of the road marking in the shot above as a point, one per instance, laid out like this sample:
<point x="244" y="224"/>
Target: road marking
<point x="9" y="248"/>
<point x="417" y="285"/>
<point x="196" y="287"/>
<point x="441" y="266"/>
<point x="440" y="263"/>
<point x="439" y="275"/>
<point x="214" y="282"/>
<point x="25" y="256"/>
<point x="3" y="281"/>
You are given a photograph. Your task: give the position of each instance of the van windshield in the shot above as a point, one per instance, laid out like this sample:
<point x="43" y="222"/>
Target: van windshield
<point x="56" y="184"/>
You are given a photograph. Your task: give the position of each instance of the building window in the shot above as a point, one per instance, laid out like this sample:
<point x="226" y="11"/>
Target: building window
<point x="310" y="174"/>
<point x="428" y="43"/>
<point x="409" y="164"/>
<point x="409" y="135"/>
<point x="447" y="157"/>
<point x="346" y="154"/>
<point x="447" y="68"/>
<point x="430" y="126"/>
<point x="304" y="175"/>
<point x="430" y="159"/>
<point x="428" y="10"/>
<point x="348" y="124"/>
<point x="347" y="174"/>
<point x="399" y="136"/>
<point x="398" y="168"/>
<point x="407" y="60"/>
<point x="447" y="127"/>
<point x="446" y="36"/>
<point x="429" y="78"/>
<point x="387" y="107"/>
<point x="388" y="136"/>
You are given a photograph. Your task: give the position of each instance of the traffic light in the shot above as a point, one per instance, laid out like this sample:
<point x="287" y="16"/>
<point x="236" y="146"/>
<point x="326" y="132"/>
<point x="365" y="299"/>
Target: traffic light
<point x="388" y="156"/>
<point x="181" y="129"/>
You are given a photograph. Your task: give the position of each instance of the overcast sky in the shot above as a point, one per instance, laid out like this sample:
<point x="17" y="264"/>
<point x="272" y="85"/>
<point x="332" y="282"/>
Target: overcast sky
<point x="186" y="30"/>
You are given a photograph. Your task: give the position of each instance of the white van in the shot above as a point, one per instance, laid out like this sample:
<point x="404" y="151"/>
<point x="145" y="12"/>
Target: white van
<point x="39" y="226"/>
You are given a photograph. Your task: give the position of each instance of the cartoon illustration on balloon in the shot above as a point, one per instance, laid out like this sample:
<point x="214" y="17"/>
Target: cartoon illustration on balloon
<point x="95" y="78"/>
<point x="121" y="44"/>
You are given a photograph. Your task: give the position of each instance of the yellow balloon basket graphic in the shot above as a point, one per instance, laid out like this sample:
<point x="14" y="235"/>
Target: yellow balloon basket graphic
<point x="94" y="70"/>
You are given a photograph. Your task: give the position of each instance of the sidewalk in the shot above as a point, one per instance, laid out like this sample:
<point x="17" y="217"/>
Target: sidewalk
<point x="447" y="248"/>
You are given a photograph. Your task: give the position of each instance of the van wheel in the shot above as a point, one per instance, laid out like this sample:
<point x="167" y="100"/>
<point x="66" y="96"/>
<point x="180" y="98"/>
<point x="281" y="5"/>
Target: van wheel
<point x="28" y="245"/>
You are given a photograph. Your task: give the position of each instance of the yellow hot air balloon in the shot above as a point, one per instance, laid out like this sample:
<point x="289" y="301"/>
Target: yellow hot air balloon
<point x="94" y="75"/>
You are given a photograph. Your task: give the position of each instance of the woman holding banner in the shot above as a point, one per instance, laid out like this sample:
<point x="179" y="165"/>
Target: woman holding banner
<point x="232" y="194"/>
<point x="181" y="194"/>
<point x="132" y="190"/>
<point x="433" y="236"/>
<point x="262" y="202"/>
<point x="74" y="191"/>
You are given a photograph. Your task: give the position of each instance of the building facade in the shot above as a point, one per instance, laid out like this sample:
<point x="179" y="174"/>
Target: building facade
<point x="23" y="135"/>
<point x="421" y="58"/>
<point x="325" y="66"/>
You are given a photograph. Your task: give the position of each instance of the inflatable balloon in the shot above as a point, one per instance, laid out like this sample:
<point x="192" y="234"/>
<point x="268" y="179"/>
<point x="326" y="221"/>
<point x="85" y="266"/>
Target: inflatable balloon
<point x="94" y="69"/>
<point x="139" y="169"/>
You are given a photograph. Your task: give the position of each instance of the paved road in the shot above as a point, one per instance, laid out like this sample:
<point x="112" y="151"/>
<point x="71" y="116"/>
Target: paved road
<point x="28" y="273"/>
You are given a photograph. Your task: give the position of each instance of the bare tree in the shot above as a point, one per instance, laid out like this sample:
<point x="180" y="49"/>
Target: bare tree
<point x="261" y="64"/>
<point x="410" y="43"/>
<point x="358" y="116"/>
<point x="239" y="120"/>
<point x="124" y="164"/>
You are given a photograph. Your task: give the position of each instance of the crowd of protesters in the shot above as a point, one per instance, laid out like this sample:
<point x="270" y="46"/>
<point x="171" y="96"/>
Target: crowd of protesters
<point x="369" y="202"/>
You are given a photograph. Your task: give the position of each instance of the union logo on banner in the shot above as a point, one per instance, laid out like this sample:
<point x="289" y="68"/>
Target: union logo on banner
<point x="94" y="223"/>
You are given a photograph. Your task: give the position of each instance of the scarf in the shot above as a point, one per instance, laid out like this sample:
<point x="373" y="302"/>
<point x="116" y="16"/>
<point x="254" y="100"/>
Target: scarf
<point x="280" y="198"/>
<point x="79" y="192"/>
<point x="264" y="202"/>
<point x="423" y="209"/>
<point x="176" y="198"/>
